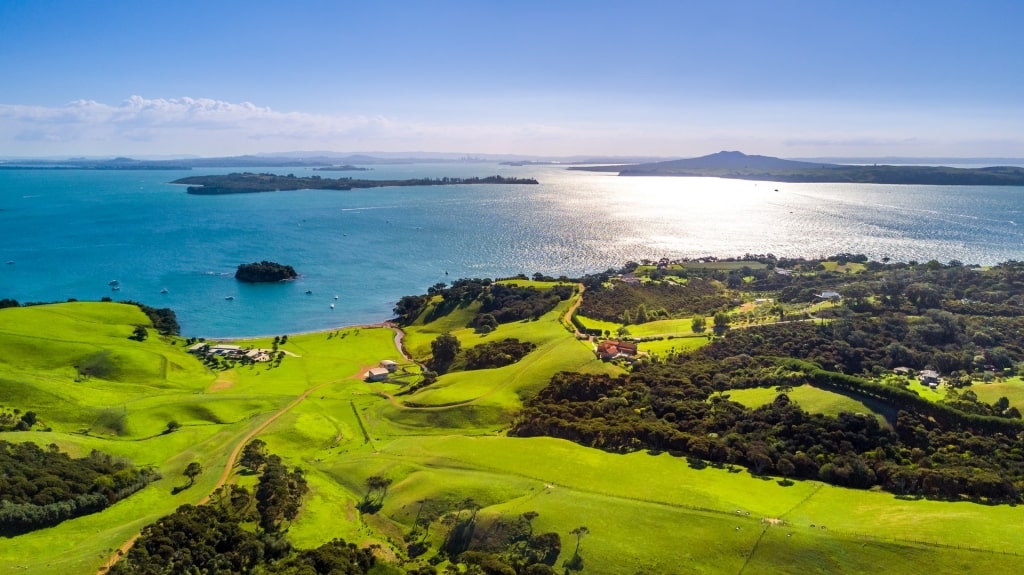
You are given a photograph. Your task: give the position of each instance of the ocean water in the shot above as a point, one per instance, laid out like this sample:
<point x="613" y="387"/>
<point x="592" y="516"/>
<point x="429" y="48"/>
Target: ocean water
<point x="70" y="232"/>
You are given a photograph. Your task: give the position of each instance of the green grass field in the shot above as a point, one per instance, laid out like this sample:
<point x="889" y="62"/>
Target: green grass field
<point x="816" y="400"/>
<point x="646" y="513"/>
<point x="1011" y="388"/>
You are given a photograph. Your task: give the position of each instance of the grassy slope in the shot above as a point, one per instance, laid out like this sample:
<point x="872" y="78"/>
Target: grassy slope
<point x="627" y="501"/>
<point x="814" y="400"/>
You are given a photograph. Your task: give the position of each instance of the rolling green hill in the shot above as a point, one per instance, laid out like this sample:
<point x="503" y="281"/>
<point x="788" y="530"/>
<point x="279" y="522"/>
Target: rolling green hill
<point x="446" y="443"/>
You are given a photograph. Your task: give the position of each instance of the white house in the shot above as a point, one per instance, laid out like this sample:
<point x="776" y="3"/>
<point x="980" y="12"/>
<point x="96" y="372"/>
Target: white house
<point x="389" y="365"/>
<point x="377" y="374"/>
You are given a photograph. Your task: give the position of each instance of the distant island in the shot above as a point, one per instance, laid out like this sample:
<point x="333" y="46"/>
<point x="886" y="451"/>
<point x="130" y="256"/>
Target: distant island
<point x="344" y="168"/>
<point x="265" y="272"/>
<point x="247" y="183"/>
<point x="740" y="166"/>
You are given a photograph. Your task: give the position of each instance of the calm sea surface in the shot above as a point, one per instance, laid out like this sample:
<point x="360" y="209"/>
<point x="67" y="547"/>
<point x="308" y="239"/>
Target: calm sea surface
<point x="69" y="233"/>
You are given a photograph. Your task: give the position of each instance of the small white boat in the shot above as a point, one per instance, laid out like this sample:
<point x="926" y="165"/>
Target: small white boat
<point x="332" y="306"/>
<point x="230" y="297"/>
<point x="113" y="283"/>
<point x="335" y="296"/>
<point x="163" y="290"/>
<point x="309" y="292"/>
<point x="115" y="288"/>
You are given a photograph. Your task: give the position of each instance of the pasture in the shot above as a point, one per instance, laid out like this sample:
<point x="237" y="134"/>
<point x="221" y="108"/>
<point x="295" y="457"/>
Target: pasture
<point x="816" y="400"/>
<point x="648" y="512"/>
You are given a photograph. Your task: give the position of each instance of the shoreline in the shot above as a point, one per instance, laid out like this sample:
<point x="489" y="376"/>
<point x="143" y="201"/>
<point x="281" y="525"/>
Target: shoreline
<point x="387" y="324"/>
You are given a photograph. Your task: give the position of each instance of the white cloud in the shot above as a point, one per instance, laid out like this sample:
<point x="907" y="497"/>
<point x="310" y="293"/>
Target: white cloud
<point x="204" y="126"/>
<point x="141" y="126"/>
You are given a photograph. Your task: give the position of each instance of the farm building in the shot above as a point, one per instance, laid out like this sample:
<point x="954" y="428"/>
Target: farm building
<point x="929" y="377"/>
<point x="377" y="374"/>
<point x="608" y="350"/>
<point x="389" y="365"/>
<point x="258" y="355"/>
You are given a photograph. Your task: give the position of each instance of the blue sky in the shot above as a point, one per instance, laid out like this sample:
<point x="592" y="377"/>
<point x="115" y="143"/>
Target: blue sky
<point x="674" y="78"/>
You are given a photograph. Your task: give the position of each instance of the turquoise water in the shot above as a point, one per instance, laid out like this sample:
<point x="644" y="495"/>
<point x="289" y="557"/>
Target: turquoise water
<point x="69" y="233"/>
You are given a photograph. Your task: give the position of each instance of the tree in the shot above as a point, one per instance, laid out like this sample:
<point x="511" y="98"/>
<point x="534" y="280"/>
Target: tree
<point x="444" y="348"/>
<point x="139" y="334"/>
<point x="376" y="490"/>
<point x="785" y="467"/>
<point x="576" y="562"/>
<point x="698" y="324"/>
<point x="580" y="532"/>
<point x="254" y="455"/>
<point x="529" y="516"/>
<point x="192" y="470"/>
<point x="485" y="323"/>
<point x="721" y="321"/>
<point x="29" y="417"/>
<point x="172" y="426"/>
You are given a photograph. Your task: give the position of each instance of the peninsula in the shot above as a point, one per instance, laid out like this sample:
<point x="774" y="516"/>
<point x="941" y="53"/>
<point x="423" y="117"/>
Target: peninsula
<point x="248" y="182"/>
<point x="740" y="166"/>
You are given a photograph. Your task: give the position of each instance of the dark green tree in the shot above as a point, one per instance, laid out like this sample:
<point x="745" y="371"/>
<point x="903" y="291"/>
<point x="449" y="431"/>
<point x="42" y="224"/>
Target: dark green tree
<point x="192" y="470"/>
<point x="444" y="348"/>
<point x="254" y="455"/>
<point x="698" y="324"/>
<point x="721" y="321"/>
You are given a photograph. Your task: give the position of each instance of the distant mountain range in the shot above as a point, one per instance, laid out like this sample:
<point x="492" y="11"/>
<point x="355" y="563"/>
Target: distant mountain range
<point x="739" y="166"/>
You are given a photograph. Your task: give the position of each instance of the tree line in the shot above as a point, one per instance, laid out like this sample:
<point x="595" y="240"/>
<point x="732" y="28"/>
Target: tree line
<point x="43" y="487"/>
<point x="498" y="302"/>
<point x="690" y="414"/>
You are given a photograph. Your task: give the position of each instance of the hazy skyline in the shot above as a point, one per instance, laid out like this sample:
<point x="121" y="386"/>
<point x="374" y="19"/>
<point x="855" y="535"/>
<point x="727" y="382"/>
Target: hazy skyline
<point x="790" y="79"/>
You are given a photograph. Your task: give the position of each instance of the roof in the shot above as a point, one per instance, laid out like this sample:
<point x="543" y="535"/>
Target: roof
<point x="613" y="348"/>
<point x="376" y="371"/>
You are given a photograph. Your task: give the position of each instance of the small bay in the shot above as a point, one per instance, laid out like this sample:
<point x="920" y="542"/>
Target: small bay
<point x="69" y="233"/>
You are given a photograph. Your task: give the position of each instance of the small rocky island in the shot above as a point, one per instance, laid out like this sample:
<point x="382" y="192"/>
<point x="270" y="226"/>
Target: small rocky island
<point x="248" y="183"/>
<point x="262" y="272"/>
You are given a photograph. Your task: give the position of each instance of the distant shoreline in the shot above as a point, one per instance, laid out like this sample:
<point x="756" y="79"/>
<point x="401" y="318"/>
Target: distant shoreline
<point x="250" y="183"/>
<point x="739" y="166"/>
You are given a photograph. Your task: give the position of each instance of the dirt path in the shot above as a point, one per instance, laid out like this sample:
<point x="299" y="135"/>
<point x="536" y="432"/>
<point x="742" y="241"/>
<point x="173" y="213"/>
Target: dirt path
<point x="225" y="473"/>
<point x="567" y="318"/>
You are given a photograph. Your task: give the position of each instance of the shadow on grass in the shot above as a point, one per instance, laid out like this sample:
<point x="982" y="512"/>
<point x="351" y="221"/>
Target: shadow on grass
<point x="369" y="507"/>
<point x="696" y="463"/>
<point x="179" y="488"/>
